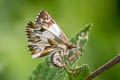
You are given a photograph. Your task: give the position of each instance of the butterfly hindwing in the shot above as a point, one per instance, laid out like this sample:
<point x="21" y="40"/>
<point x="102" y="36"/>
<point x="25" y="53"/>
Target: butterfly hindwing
<point x="56" y="59"/>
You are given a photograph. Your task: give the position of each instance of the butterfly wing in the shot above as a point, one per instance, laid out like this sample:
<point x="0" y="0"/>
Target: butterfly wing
<point x="43" y="36"/>
<point x="41" y="41"/>
<point x="56" y="59"/>
<point x="45" y="20"/>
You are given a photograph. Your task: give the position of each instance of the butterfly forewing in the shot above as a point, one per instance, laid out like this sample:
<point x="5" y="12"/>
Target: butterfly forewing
<point x="45" y="20"/>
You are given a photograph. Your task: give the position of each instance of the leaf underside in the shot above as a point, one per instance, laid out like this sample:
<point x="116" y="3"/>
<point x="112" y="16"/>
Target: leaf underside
<point x="46" y="71"/>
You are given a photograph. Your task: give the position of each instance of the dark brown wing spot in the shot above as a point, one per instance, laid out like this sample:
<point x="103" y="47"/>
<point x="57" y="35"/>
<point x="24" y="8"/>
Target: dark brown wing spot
<point x="33" y="49"/>
<point x="44" y="19"/>
<point x="45" y="52"/>
<point x="30" y="24"/>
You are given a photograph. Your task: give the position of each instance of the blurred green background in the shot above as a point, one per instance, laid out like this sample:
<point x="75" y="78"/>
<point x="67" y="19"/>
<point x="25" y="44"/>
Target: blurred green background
<point x="71" y="15"/>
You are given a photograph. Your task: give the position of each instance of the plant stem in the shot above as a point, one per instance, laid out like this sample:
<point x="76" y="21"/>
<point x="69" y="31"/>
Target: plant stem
<point x="109" y="64"/>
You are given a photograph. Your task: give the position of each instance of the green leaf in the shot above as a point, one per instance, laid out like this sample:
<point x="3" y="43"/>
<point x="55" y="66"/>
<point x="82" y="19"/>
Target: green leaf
<point x="74" y="71"/>
<point x="80" y="40"/>
<point x="45" y="71"/>
<point x="80" y="73"/>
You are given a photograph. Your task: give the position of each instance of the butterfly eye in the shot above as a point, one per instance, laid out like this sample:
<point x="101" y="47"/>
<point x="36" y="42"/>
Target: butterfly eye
<point x="70" y="46"/>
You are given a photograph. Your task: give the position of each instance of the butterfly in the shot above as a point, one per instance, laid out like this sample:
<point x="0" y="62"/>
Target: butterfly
<point x="46" y="38"/>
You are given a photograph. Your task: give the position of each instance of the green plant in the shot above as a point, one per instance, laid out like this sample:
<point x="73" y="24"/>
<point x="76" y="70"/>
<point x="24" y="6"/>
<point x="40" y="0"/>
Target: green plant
<point x="72" y="70"/>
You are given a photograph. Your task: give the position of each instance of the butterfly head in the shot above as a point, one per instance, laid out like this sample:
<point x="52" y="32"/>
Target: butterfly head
<point x="70" y="45"/>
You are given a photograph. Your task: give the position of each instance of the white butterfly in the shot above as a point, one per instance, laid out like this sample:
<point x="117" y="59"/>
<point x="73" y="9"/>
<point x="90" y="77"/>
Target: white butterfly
<point x="45" y="37"/>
